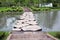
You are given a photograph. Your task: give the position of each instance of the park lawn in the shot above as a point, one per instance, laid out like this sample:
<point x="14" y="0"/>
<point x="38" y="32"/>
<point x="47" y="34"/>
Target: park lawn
<point x="55" y="34"/>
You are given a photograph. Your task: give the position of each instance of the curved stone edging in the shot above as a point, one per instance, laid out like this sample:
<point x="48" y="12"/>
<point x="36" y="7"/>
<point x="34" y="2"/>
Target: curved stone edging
<point x="9" y="37"/>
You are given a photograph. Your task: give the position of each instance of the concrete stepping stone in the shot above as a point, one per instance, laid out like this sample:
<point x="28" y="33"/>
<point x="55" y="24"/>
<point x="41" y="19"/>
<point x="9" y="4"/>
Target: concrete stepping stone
<point x="31" y="27"/>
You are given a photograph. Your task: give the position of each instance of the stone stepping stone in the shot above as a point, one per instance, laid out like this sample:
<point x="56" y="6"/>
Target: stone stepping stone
<point x="32" y="28"/>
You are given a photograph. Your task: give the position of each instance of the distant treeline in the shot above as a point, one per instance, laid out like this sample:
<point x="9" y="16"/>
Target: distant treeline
<point x="56" y="3"/>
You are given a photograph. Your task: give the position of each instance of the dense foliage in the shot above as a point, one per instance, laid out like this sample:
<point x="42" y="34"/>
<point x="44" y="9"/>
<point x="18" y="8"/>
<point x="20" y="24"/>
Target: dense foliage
<point x="27" y="2"/>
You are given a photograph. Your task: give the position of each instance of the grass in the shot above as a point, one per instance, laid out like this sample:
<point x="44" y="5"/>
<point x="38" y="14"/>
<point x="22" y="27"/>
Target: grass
<point x="11" y="10"/>
<point x="4" y="35"/>
<point x="55" y="34"/>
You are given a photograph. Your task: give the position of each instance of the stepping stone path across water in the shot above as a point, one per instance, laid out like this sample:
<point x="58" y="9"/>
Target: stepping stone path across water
<point x="27" y="22"/>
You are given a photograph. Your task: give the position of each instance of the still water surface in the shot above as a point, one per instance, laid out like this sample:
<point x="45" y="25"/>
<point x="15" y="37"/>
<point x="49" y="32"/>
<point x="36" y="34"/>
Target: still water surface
<point x="49" y="21"/>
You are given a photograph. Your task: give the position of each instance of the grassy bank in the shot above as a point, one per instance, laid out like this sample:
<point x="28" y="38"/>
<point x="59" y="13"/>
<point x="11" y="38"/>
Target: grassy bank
<point x="55" y="34"/>
<point x="44" y="8"/>
<point x="4" y="35"/>
<point x="55" y="8"/>
<point x="11" y="9"/>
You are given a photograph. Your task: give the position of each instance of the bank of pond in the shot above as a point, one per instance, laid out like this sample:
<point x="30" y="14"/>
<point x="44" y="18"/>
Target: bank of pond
<point x="44" y="8"/>
<point x="20" y="9"/>
<point x="11" y="9"/>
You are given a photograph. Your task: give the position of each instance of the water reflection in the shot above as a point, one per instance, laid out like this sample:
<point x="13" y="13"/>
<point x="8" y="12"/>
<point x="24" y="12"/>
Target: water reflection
<point x="49" y="20"/>
<point x="6" y="22"/>
<point x="2" y="22"/>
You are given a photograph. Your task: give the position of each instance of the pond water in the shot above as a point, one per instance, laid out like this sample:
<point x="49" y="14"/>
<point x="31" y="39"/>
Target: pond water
<point x="7" y="21"/>
<point x="49" y="21"/>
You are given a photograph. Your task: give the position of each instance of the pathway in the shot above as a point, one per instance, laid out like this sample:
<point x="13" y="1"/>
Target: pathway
<point x="30" y="36"/>
<point x="18" y="35"/>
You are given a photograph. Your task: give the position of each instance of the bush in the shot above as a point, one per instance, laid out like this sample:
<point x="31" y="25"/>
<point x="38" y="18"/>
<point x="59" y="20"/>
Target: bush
<point x="19" y="9"/>
<point x="11" y="9"/>
<point x="40" y="9"/>
<point x="35" y="9"/>
<point x="45" y="9"/>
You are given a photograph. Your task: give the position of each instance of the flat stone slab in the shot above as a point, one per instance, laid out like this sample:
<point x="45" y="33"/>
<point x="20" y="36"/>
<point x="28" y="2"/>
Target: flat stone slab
<point x="30" y="36"/>
<point x="32" y="27"/>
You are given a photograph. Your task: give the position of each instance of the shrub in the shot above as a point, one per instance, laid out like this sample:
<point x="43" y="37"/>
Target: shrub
<point x="35" y="9"/>
<point x="19" y="9"/>
<point x="40" y="9"/>
<point x="11" y="9"/>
